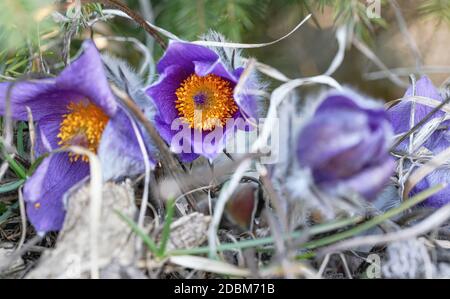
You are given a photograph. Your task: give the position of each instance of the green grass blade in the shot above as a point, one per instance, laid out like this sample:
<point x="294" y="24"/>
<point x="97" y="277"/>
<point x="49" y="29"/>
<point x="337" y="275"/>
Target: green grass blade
<point x="5" y="216"/>
<point x="8" y="187"/>
<point x="166" y="229"/>
<point x="20" y="139"/>
<point x="321" y="228"/>
<point x="317" y="229"/>
<point x="407" y="204"/>
<point x="18" y="169"/>
<point x="151" y="245"/>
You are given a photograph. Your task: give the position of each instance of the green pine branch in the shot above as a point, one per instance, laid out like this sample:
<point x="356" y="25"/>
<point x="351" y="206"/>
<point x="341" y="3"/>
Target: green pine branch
<point x="190" y="19"/>
<point x="439" y="9"/>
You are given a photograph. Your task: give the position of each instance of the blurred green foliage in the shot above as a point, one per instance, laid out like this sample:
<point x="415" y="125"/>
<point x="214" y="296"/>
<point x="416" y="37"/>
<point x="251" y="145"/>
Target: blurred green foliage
<point x="3" y="208"/>
<point x="439" y="9"/>
<point x="192" y="18"/>
<point x="23" y="23"/>
<point x="21" y="20"/>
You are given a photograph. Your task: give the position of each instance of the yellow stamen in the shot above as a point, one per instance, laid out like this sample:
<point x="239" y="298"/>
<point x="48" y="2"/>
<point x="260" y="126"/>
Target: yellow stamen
<point x="205" y="102"/>
<point x="37" y="205"/>
<point x="82" y="126"/>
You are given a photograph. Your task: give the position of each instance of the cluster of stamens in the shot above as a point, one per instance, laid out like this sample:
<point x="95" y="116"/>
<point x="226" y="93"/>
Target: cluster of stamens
<point x="82" y="126"/>
<point x="205" y="102"/>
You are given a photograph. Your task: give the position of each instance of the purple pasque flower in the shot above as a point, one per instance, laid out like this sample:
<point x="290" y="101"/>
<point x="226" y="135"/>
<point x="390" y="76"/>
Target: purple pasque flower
<point x="195" y="97"/>
<point x="346" y="143"/>
<point x="400" y="116"/>
<point x="75" y="108"/>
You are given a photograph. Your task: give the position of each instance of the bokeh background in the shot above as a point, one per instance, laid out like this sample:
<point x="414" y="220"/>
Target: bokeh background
<point x="411" y="34"/>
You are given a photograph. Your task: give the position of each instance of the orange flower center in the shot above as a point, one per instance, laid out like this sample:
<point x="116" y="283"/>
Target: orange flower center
<point x="82" y="126"/>
<point x="205" y="102"/>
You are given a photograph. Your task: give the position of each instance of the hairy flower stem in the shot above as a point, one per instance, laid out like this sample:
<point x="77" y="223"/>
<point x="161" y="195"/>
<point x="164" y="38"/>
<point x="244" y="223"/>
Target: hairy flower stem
<point x="166" y="155"/>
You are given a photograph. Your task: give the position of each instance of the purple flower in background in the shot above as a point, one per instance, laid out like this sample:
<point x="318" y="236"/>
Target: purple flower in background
<point x="75" y="108"/>
<point x="196" y="89"/>
<point x="346" y="145"/>
<point x="400" y="116"/>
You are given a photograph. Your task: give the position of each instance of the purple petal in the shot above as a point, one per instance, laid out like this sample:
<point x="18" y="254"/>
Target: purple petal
<point x="247" y="102"/>
<point x="400" y="114"/>
<point x="190" y="143"/>
<point x="184" y="54"/>
<point x="329" y="135"/>
<point x="184" y="150"/>
<point x="204" y="68"/>
<point x="44" y="190"/>
<point x="345" y="143"/>
<point x="119" y="149"/>
<point x="210" y="143"/>
<point x="439" y="199"/>
<point x="163" y="92"/>
<point x="47" y="133"/>
<point x="43" y="97"/>
<point x="349" y="100"/>
<point x="368" y="182"/>
<point x="87" y="76"/>
<point x="424" y="88"/>
<point x="84" y="78"/>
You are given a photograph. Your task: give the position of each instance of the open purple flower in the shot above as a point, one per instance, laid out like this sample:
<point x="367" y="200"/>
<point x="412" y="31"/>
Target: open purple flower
<point x="346" y="145"/>
<point x="400" y="116"/>
<point x="75" y="108"/>
<point x="196" y="90"/>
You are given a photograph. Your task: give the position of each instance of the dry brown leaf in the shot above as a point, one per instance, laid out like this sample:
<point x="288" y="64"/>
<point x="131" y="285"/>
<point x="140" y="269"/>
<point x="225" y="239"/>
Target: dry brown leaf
<point x="71" y="257"/>
<point x="188" y="232"/>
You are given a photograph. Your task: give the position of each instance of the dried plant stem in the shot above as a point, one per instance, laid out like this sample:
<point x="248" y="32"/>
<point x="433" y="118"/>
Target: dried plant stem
<point x="420" y="123"/>
<point x="225" y="194"/>
<point x="425" y="170"/>
<point x="346" y="268"/>
<point x="430" y="223"/>
<point x="147" y="168"/>
<point x="364" y="49"/>
<point x="23" y="218"/>
<point x="3" y="168"/>
<point x="8" y="133"/>
<point x="404" y="29"/>
<point x="412" y="117"/>
<point x="17" y="254"/>
<point x="135" y="16"/>
<point x="95" y="206"/>
<point x="32" y="131"/>
<point x="421" y="228"/>
<point x="374" y="221"/>
<point x="406" y="71"/>
<point x="166" y="156"/>
<point x="324" y="264"/>
<point x="315" y="230"/>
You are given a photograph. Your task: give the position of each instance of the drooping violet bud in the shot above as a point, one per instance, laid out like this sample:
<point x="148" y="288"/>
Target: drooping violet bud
<point x="346" y="144"/>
